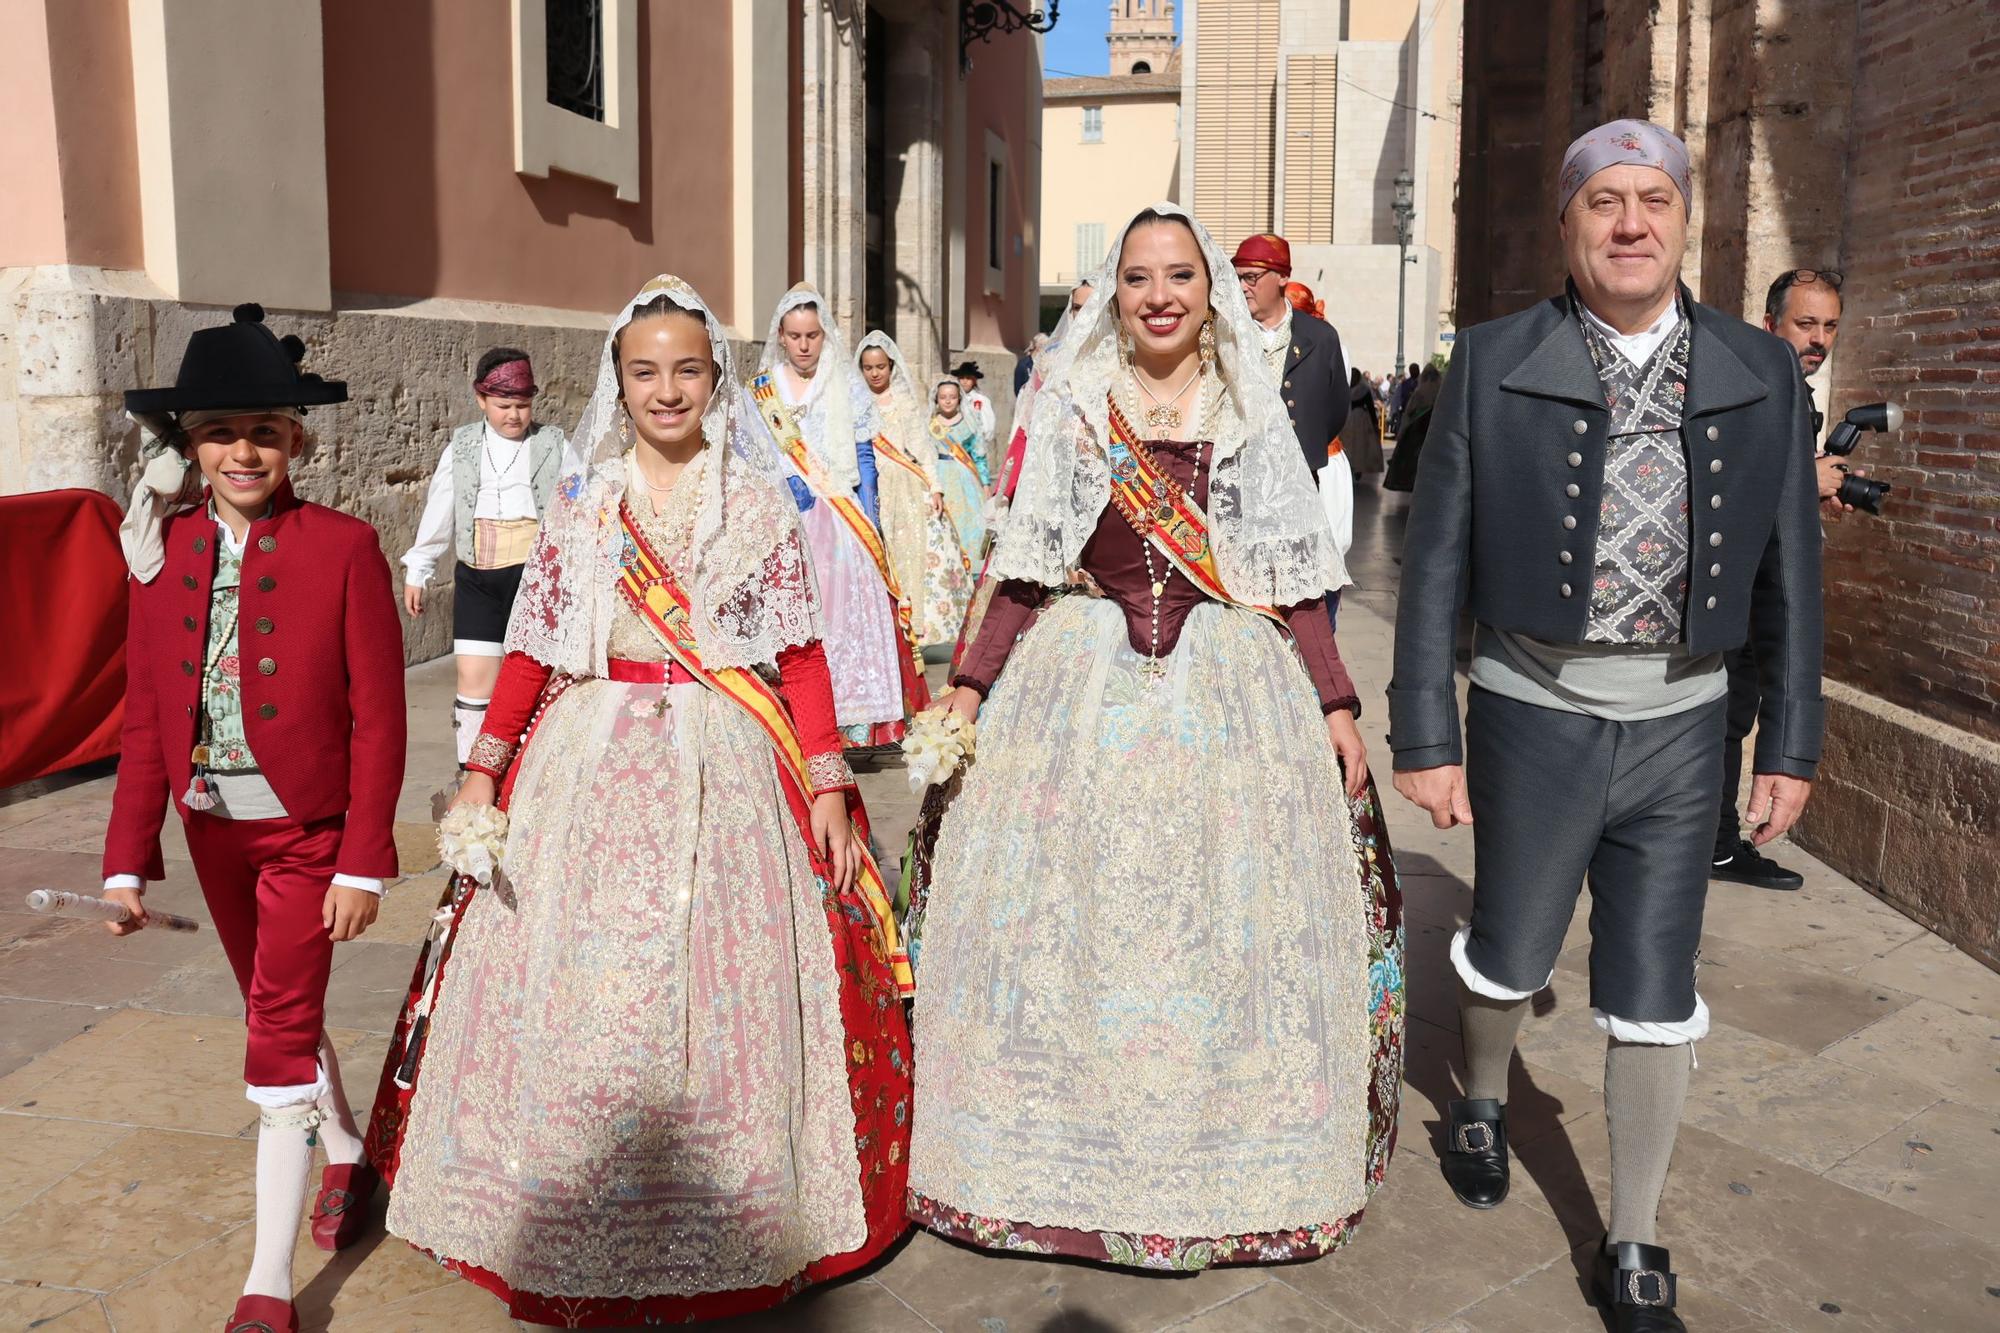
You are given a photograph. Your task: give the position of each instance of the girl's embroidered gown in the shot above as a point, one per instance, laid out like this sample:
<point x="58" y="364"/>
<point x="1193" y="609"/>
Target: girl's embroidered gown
<point x="664" y="1076"/>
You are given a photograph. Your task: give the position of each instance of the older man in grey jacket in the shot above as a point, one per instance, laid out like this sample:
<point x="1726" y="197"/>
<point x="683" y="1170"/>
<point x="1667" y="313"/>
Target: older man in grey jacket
<point x="1620" y="482"/>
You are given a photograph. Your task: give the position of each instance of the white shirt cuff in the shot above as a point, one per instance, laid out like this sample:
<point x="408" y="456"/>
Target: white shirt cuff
<point x="124" y="882"/>
<point x="366" y="885"/>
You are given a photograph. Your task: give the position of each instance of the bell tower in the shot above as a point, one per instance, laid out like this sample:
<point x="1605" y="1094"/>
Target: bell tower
<point x="1141" y="36"/>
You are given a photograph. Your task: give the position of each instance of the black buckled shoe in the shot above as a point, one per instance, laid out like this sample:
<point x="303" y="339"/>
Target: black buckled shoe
<point x="1475" y="1156"/>
<point x="1636" y="1284"/>
<point x="1747" y="865"/>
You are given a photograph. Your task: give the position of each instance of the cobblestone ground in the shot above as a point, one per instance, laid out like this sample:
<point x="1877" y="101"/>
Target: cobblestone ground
<point x="1838" y="1167"/>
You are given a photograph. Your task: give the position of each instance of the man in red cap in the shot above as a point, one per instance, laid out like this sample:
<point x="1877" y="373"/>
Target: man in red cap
<point x="1304" y="354"/>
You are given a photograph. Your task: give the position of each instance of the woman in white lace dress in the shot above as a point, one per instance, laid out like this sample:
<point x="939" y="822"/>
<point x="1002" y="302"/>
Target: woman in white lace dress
<point x="931" y="566"/>
<point x="658" y="1071"/>
<point x="1161" y="1006"/>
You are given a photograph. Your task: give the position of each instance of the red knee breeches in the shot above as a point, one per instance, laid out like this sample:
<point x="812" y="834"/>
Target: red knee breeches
<point x="265" y="881"/>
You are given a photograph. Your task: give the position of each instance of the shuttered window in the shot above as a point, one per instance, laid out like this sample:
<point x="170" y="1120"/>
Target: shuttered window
<point x="1089" y="247"/>
<point x="1310" y="93"/>
<point x="1236" y="80"/>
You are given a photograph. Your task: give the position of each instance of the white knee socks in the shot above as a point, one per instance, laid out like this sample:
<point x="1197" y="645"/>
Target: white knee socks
<point x="467" y="717"/>
<point x="337" y="1131"/>
<point x="284" y="1156"/>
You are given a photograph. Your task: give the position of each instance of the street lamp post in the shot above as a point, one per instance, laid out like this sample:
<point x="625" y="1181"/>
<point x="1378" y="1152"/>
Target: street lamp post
<point x="1404" y="208"/>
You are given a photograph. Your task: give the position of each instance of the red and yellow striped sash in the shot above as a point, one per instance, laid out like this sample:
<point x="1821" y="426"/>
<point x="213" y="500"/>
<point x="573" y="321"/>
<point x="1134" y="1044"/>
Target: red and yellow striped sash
<point x="885" y="449"/>
<point x="1166" y="514"/>
<point x="656" y="596"/>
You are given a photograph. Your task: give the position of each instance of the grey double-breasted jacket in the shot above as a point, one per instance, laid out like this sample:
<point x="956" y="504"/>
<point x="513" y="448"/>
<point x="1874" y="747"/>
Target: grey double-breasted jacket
<point x="1505" y="513"/>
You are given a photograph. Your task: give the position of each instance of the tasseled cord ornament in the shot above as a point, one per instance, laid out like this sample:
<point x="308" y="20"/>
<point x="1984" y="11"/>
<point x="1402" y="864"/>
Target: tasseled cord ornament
<point x="201" y="791"/>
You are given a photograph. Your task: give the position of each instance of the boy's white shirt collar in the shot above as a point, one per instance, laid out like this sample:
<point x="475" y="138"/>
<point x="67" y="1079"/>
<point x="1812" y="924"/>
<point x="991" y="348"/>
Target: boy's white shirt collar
<point x="230" y="539"/>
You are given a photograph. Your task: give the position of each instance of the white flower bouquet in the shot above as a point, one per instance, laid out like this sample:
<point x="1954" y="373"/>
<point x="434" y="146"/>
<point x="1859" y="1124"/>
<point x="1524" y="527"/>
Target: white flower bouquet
<point x="939" y="742"/>
<point x="471" y="839"/>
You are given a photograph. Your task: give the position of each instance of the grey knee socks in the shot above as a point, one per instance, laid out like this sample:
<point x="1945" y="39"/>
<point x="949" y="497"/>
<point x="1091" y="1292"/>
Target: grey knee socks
<point x="1644" y="1087"/>
<point x="1488" y="1029"/>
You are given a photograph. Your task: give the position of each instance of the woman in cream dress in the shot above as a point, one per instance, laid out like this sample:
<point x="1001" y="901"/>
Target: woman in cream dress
<point x="1160" y="1014"/>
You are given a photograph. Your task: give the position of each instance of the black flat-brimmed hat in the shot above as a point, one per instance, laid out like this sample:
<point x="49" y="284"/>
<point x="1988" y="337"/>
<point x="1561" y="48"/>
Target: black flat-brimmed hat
<point x="967" y="370"/>
<point x="239" y="364"/>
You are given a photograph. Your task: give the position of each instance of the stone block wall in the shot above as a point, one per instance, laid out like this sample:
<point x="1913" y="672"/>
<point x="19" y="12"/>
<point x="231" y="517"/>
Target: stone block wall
<point x="1910" y="807"/>
<point x="72" y="340"/>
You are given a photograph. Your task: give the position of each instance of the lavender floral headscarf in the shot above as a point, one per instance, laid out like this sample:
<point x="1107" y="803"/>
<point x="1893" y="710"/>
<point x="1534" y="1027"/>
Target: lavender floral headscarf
<point x="1636" y="142"/>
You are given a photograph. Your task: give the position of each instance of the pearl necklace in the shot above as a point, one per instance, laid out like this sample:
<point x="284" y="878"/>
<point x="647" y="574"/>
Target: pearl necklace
<point x="1154" y="669"/>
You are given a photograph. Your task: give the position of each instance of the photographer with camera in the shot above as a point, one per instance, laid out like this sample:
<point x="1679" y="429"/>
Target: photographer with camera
<point x="1803" y="307"/>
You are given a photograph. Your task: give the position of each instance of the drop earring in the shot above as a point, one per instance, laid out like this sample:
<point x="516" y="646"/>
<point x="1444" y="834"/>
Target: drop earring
<point x="625" y="430"/>
<point x="1124" y="347"/>
<point x="1208" y="342"/>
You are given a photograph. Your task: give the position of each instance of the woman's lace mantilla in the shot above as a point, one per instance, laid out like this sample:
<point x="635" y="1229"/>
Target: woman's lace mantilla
<point x="1273" y="545"/>
<point x="747" y="573"/>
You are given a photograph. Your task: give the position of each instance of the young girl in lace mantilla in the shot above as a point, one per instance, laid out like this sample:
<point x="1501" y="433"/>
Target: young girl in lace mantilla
<point x="664" y="1075"/>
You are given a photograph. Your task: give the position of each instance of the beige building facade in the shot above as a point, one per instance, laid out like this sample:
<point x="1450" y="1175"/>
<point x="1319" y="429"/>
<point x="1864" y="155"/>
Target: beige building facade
<point x="1110" y="147"/>
<point x="404" y="185"/>
<point x="1298" y="116"/>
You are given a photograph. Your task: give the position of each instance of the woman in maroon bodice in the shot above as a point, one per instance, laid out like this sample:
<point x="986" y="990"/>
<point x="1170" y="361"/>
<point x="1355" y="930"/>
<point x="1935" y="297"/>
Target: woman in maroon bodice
<point x="1160" y="1000"/>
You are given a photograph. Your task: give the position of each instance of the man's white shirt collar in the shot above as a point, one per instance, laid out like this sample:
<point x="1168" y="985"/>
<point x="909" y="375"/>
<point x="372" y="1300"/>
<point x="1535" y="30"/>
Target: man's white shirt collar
<point x="1636" y="347"/>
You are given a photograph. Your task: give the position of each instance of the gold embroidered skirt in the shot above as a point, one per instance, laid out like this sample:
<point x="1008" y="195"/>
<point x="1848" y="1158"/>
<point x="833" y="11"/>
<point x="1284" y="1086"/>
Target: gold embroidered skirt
<point x="635" y="1081"/>
<point x="1144" y="1004"/>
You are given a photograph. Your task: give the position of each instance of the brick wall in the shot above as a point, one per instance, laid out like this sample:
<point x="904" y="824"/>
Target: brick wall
<point x="1913" y="598"/>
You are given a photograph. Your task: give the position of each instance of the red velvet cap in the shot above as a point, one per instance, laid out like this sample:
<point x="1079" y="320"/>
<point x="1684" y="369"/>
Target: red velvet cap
<point x="1265" y="251"/>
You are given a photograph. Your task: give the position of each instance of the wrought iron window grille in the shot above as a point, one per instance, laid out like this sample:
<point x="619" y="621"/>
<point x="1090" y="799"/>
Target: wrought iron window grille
<point x="576" y="57"/>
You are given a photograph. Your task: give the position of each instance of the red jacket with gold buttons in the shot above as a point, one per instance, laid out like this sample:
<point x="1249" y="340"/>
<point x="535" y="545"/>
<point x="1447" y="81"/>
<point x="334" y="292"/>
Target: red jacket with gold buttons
<point x="322" y="679"/>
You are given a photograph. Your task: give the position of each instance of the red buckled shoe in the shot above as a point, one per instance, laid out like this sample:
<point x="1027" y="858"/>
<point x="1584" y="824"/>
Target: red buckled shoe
<point x="342" y="1206"/>
<point x="263" y="1314"/>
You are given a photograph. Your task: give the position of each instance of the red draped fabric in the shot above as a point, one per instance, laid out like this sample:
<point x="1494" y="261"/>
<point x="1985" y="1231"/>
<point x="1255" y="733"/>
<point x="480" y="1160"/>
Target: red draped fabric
<point x="62" y="696"/>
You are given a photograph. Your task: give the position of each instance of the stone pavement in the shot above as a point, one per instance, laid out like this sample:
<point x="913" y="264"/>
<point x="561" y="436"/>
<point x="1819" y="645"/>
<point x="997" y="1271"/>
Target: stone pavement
<point x="1839" y="1166"/>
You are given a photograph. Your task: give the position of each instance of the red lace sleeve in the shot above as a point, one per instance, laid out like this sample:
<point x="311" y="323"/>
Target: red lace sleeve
<point x="522" y="680"/>
<point x="807" y="687"/>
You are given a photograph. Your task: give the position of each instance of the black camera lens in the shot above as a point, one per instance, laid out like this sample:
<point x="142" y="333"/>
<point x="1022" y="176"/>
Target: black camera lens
<point x="1862" y="493"/>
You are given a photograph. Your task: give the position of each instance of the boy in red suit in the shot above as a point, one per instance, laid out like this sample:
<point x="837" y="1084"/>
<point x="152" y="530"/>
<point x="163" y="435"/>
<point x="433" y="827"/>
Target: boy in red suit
<point x="264" y="698"/>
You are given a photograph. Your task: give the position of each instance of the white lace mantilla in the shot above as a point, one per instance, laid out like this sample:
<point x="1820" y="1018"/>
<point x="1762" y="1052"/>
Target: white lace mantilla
<point x="745" y="567"/>
<point x="1273" y="544"/>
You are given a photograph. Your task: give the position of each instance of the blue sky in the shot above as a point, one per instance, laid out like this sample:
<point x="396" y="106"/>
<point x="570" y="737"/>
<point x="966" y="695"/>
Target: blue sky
<point x="1077" y="44"/>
